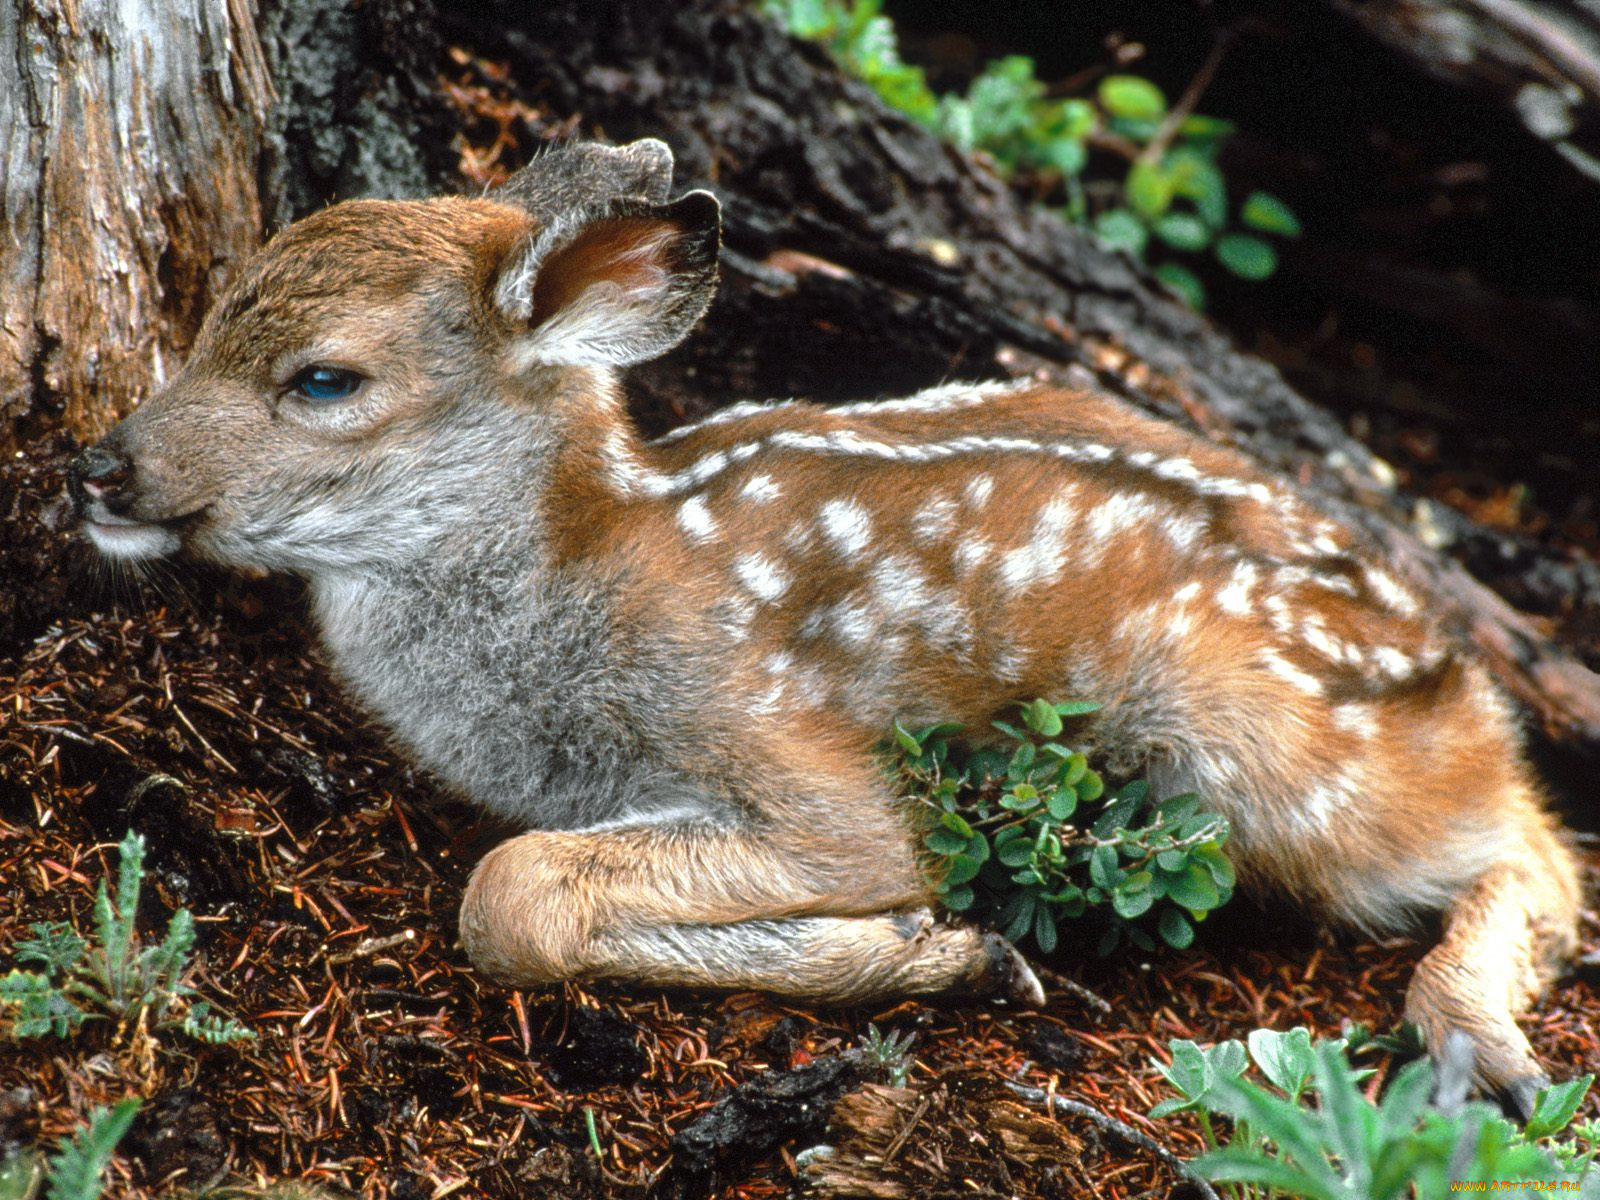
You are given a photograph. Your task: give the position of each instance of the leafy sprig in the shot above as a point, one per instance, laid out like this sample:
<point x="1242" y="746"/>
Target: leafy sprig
<point x="1142" y="174"/>
<point x="112" y="975"/>
<point x="1025" y="836"/>
<point x="1306" y="1128"/>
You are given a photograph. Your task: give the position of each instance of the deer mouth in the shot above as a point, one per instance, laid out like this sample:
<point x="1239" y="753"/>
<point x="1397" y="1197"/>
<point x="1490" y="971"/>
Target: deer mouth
<point x="131" y="538"/>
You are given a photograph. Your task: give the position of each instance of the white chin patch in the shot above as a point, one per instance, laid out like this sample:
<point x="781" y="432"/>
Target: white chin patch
<point x="132" y="541"/>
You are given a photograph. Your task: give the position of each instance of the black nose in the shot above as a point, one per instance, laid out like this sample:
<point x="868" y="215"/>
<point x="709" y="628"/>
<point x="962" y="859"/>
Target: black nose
<point x="99" y="472"/>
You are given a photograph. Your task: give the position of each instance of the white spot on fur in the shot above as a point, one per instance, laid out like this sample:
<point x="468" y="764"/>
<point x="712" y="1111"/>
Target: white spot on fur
<point x="969" y="556"/>
<point x="1356" y="718"/>
<point x="1396" y="664"/>
<point x="853" y="623"/>
<point x="847" y="526"/>
<point x="1117" y="513"/>
<point x="1390" y="593"/>
<point x="1183" y="531"/>
<point x="897" y="585"/>
<point x="1289" y="673"/>
<point x="935" y="520"/>
<point x="944" y="398"/>
<point x="760" y="489"/>
<point x="696" y="519"/>
<point x="1187" y="592"/>
<point x="1009" y="663"/>
<point x="1326" y="803"/>
<point x="733" y="615"/>
<point x="1235" y="597"/>
<point x="1042" y="559"/>
<point x="978" y="490"/>
<point x="797" y="537"/>
<point x="762" y="577"/>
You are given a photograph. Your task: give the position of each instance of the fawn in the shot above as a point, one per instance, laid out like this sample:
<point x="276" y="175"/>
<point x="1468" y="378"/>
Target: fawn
<point x="670" y="661"/>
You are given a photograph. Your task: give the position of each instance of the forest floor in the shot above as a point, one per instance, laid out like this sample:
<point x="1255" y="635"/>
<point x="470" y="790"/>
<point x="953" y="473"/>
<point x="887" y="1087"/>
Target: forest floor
<point x="324" y="876"/>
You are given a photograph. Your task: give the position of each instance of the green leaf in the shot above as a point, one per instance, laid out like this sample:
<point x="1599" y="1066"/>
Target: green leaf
<point x="1194" y="889"/>
<point x="1183" y="231"/>
<point x="1044" y="929"/>
<point x="1216" y="861"/>
<point x="1119" y="228"/>
<point x="1022" y="761"/>
<point x="1130" y="905"/>
<point x="1091" y="786"/>
<point x="1017" y="853"/>
<point x="54" y="944"/>
<point x="1248" y="1164"/>
<point x="1021" y="907"/>
<point x="1284" y="1058"/>
<point x="945" y="841"/>
<point x="1173" y="860"/>
<point x="1132" y="97"/>
<point x="1205" y="128"/>
<point x="1041" y="717"/>
<point x="907" y="742"/>
<point x="1103" y="869"/>
<point x="958" y="899"/>
<point x="1195" y="177"/>
<point x="1148" y="190"/>
<point x="1175" y="929"/>
<point x="1078" y="708"/>
<point x="1066" y="154"/>
<point x="76" y="1168"/>
<point x="1266" y="212"/>
<point x="1556" y="1106"/>
<point x="956" y="824"/>
<point x="963" y="869"/>
<point x="1190" y="1073"/>
<point x="1062" y="803"/>
<point x="1247" y="257"/>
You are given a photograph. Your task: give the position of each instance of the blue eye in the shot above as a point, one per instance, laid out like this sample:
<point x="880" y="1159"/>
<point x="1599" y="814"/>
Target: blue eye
<point x="324" y="385"/>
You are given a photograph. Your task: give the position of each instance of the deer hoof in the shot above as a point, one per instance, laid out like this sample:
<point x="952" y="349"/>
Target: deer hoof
<point x="1013" y="977"/>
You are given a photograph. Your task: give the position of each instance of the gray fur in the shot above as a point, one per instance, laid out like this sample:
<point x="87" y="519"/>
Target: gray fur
<point x="583" y="174"/>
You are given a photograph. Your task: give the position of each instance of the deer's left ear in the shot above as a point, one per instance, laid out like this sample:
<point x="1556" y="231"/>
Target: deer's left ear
<point x="611" y="287"/>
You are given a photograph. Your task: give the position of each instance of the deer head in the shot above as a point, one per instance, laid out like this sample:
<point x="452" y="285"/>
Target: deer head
<point x="347" y="399"/>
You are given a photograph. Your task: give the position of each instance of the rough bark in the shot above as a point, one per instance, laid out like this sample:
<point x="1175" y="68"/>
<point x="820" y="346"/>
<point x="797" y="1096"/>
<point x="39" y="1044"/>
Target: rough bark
<point x="128" y="138"/>
<point x="1539" y="58"/>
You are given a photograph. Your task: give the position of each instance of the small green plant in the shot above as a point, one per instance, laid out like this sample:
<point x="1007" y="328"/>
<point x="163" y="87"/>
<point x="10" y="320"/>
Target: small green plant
<point x="76" y="1170"/>
<point x="1007" y="849"/>
<point x="113" y="976"/>
<point x="1308" y="1130"/>
<point x="890" y="1053"/>
<point x="1142" y="174"/>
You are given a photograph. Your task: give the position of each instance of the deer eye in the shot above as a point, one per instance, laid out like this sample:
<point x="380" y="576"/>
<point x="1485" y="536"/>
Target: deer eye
<point x="325" y="385"/>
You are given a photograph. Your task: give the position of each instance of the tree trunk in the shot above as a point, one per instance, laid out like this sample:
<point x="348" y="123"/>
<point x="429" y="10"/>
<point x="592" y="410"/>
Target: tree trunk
<point x="129" y="136"/>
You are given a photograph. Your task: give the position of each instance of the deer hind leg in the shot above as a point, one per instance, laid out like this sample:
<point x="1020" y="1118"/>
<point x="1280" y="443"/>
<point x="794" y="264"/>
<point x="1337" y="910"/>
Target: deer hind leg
<point x="696" y="908"/>
<point x="1504" y="939"/>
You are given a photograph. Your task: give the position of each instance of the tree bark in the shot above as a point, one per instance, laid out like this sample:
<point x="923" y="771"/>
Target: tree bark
<point x="1538" y="58"/>
<point x="129" y="136"/>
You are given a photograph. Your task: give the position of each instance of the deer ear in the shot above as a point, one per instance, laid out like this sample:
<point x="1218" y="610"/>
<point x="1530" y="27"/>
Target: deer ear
<point x="577" y="174"/>
<point x="611" y="287"/>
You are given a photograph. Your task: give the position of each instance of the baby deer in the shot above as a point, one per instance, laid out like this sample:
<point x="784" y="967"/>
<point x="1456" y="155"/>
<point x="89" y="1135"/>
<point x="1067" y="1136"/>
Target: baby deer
<point x="671" y="661"/>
